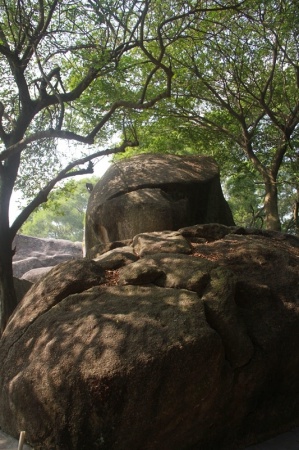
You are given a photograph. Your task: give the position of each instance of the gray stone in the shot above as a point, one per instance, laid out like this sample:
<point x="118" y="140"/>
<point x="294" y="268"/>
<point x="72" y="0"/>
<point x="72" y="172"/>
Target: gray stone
<point x="209" y="232"/>
<point x="170" y="270"/>
<point x="116" y="258"/>
<point x="100" y="249"/>
<point x="149" y="193"/>
<point x="160" y="242"/>
<point x="24" y="265"/>
<point x="31" y="246"/>
<point x="35" y="275"/>
<point x="144" y="271"/>
<point x="32" y="253"/>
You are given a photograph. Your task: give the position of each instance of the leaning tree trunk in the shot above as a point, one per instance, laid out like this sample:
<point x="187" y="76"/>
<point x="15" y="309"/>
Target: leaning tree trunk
<point x="296" y="213"/>
<point x="269" y="176"/>
<point x="8" y="300"/>
<point x="271" y="205"/>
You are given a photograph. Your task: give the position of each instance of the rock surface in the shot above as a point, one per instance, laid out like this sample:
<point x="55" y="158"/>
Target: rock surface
<point x="174" y="350"/>
<point x="21" y="287"/>
<point x="35" y="275"/>
<point x="33" y="253"/>
<point x="154" y="193"/>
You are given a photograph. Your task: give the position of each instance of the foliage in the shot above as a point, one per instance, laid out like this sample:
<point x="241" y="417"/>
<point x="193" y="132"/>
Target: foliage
<point x="247" y="77"/>
<point x="62" y="217"/>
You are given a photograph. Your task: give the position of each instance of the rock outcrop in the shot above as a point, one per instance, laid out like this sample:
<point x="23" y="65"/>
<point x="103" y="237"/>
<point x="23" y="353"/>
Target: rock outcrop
<point x="175" y="340"/>
<point x="154" y="193"/>
<point x="32" y="253"/>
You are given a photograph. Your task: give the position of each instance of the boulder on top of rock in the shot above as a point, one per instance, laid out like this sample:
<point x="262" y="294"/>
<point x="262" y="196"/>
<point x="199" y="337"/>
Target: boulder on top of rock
<point x="154" y="193"/>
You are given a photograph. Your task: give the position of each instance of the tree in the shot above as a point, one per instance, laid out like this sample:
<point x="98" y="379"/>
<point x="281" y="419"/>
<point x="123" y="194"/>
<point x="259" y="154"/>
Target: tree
<point x="242" y="81"/>
<point x="69" y="71"/>
<point x="62" y="217"/>
<point x="88" y="40"/>
<point x="237" y="83"/>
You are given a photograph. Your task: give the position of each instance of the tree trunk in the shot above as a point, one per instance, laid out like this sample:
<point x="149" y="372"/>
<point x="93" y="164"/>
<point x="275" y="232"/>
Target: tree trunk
<point x="8" y="300"/>
<point x="271" y="206"/>
<point x="296" y="213"/>
<point x="269" y="177"/>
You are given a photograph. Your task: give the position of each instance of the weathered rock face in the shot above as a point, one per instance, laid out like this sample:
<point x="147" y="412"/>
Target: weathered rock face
<point x="154" y="193"/>
<point x="185" y="340"/>
<point x="32" y="253"/>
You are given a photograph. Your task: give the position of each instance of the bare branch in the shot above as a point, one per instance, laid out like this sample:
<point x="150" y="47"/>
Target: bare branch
<point x="222" y="102"/>
<point x="4" y="47"/>
<point x="46" y="134"/>
<point x="39" y="32"/>
<point x="47" y="81"/>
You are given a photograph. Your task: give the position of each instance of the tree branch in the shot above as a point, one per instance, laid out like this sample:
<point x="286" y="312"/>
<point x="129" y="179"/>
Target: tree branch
<point x="39" y="32"/>
<point x="67" y="172"/>
<point x="89" y="139"/>
<point x="50" y="134"/>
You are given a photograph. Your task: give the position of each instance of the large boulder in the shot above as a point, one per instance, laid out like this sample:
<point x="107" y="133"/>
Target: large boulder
<point x="192" y="348"/>
<point x="154" y="193"/>
<point x="32" y="253"/>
